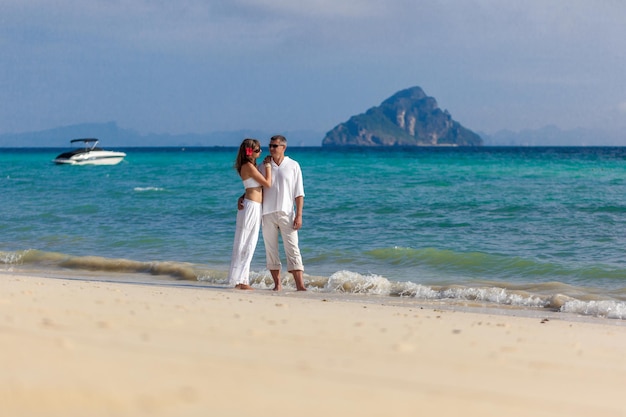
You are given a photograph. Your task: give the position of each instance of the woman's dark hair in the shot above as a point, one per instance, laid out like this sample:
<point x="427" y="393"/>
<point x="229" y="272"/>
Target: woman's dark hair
<point x="246" y="153"/>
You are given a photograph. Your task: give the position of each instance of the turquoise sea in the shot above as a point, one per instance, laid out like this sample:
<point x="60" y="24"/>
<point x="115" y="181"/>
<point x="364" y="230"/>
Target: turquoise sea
<point x="527" y="228"/>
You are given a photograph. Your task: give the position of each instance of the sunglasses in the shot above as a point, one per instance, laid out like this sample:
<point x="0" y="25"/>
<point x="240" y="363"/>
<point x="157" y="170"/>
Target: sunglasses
<point x="272" y="145"/>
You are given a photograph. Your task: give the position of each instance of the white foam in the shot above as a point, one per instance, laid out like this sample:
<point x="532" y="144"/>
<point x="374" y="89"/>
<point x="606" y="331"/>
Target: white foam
<point x="10" y="258"/>
<point x="410" y="289"/>
<point x="606" y="308"/>
<point x="353" y="282"/>
<point x="141" y="189"/>
<point x="495" y="295"/>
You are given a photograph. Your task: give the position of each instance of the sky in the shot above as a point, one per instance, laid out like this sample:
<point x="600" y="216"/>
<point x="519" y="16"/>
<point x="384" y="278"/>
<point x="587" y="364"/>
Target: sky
<point x="196" y="66"/>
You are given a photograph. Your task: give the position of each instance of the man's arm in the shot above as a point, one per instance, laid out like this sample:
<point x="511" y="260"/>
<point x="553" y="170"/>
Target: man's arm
<point x="240" y="201"/>
<point x="297" y="221"/>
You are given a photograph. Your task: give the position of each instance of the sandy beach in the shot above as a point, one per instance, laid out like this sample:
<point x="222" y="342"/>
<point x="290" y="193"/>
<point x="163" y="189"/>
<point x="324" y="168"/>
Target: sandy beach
<point x="89" y="348"/>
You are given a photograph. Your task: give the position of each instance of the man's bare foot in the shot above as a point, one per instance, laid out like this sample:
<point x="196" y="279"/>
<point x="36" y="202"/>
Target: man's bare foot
<point x="243" y="287"/>
<point x="298" y="279"/>
<point x="277" y="288"/>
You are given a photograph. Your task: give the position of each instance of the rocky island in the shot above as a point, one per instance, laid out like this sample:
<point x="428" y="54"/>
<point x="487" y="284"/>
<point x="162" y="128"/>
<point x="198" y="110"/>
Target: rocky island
<point x="408" y="118"/>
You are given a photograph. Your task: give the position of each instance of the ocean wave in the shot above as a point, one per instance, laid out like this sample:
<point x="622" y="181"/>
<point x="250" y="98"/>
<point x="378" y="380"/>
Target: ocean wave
<point x="494" y="266"/>
<point x="355" y="283"/>
<point x="604" y="308"/>
<point x="10" y="258"/>
<point x="177" y="270"/>
<point x="142" y="189"/>
<point x="552" y="295"/>
<point x="346" y="281"/>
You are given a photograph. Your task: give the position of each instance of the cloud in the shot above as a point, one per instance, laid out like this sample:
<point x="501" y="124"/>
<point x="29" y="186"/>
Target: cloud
<point x="350" y="9"/>
<point x="487" y="61"/>
<point x="390" y="27"/>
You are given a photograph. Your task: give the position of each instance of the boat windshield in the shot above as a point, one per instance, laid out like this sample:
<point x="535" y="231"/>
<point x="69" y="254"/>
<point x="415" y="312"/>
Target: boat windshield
<point x="88" y="142"/>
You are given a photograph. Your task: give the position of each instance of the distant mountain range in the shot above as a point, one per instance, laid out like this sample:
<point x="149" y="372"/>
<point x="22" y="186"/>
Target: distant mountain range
<point x="112" y="135"/>
<point x="553" y="136"/>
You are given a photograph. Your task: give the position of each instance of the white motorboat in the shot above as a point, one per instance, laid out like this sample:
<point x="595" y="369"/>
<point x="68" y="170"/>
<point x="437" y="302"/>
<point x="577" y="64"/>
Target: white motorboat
<point x="89" y="154"/>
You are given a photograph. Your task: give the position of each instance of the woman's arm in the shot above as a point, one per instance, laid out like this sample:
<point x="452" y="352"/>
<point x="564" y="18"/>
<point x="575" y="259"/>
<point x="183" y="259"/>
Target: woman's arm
<point x="250" y="171"/>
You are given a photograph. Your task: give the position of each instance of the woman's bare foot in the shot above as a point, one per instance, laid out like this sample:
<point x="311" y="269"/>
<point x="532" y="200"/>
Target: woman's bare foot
<point x="243" y="287"/>
<point x="278" y="286"/>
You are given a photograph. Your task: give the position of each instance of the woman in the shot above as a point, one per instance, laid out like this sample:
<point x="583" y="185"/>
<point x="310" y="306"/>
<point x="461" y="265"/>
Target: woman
<point x="249" y="218"/>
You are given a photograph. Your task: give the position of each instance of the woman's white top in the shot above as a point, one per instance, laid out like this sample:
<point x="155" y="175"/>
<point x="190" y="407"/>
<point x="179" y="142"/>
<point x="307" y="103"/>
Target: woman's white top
<point x="250" y="183"/>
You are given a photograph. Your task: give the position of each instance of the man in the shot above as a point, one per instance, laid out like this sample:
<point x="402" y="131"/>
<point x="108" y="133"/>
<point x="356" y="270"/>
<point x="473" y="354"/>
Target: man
<point x="286" y="191"/>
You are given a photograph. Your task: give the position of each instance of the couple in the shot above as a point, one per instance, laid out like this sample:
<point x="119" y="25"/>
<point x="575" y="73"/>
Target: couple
<point x="272" y="189"/>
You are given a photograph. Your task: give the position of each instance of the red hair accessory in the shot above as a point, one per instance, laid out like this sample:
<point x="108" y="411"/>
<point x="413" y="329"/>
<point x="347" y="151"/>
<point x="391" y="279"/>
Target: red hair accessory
<point x="248" y="151"/>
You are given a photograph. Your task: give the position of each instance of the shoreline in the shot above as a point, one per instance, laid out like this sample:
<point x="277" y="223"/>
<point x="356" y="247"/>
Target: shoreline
<point x="575" y="299"/>
<point x="476" y="306"/>
<point x="75" y="347"/>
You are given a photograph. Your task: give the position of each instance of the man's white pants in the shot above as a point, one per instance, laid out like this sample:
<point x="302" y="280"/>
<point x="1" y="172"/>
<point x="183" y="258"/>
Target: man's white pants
<point x="246" y="238"/>
<point x="273" y="223"/>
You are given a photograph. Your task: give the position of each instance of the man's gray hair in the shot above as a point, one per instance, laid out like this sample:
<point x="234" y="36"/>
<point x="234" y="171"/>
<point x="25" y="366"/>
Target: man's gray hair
<point x="279" y="138"/>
